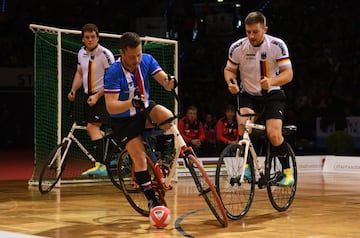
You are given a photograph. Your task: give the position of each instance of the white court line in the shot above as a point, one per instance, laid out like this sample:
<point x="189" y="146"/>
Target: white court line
<point x="7" y="234"/>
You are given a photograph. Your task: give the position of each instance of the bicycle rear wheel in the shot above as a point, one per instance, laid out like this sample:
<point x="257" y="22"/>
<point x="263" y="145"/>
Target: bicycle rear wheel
<point x="52" y="170"/>
<point x="132" y="190"/>
<point x="206" y="188"/>
<point x="281" y="197"/>
<point x="236" y="196"/>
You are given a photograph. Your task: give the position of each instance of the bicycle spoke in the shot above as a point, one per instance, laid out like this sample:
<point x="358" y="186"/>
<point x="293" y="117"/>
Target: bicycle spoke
<point x="52" y="169"/>
<point x="207" y="189"/>
<point x="236" y="196"/>
<point x="281" y="197"/>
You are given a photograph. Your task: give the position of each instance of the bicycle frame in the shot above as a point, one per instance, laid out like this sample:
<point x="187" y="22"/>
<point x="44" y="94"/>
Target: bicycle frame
<point x="248" y="145"/>
<point x="69" y="139"/>
<point x="55" y="163"/>
<point x="71" y="136"/>
<point x="179" y="146"/>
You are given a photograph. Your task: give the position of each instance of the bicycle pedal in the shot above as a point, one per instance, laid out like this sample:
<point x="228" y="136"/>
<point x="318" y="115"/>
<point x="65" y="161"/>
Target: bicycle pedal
<point x="235" y="180"/>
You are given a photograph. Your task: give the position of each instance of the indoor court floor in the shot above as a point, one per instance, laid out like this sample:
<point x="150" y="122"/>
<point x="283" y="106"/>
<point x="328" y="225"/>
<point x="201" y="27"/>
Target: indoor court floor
<point x="326" y="205"/>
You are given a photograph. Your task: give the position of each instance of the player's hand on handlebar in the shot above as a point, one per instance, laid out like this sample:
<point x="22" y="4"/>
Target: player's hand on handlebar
<point x="138" y="99"/>
<point x="170" y="82"/>
<point x="265" y="83"/>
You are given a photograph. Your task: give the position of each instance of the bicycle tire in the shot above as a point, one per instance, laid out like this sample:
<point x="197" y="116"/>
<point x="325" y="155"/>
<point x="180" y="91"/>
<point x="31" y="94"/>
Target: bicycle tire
<point x="280" y="197"/>
<point x="111" y="164"/>
<point x="237" y="197"/>
<point x="206" y="188"/>
<point x="132" y="190"/>
<point x="50" y="173"/>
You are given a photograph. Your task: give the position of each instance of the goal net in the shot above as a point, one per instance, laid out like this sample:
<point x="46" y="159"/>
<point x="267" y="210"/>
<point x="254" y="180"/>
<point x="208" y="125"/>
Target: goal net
<point x="55" y="63"/>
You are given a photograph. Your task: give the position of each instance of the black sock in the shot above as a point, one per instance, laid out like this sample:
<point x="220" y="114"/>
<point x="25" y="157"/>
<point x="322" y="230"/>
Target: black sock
<point x="143" y="178"/>
<point x="282" y="153"/>
<point x="98" y="146"/>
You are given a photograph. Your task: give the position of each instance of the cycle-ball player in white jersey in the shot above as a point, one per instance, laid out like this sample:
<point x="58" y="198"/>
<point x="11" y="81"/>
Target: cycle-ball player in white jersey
<point x="264" y="65"/>
<point x="93" y="61"/>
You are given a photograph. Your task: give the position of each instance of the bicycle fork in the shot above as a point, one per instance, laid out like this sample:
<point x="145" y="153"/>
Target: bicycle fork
<point x="257" y="167"/>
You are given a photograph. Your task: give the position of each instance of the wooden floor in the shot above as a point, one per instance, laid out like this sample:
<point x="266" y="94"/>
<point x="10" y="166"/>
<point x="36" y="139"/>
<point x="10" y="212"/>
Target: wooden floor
<point x="326" y="205"/>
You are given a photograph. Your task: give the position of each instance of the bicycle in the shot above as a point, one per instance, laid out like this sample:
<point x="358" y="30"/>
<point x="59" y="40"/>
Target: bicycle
<point x="236" y="191"/>
<point x="55" y="163"/>
<point x="162" y="171"/>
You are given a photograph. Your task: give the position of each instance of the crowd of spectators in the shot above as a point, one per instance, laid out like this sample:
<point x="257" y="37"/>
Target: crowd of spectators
<point x="323" y="43"/>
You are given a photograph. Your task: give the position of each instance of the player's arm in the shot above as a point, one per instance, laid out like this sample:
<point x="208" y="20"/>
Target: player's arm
<point x="163" y="79"/>
<point x="114" y="106"/>
<point x="230" y="77"/>
<point x="76" y="84"/>
<point x="285" y="76"/>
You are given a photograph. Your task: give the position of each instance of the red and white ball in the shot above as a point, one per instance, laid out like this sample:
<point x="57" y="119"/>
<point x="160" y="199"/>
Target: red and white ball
<point x="160" y="216"/>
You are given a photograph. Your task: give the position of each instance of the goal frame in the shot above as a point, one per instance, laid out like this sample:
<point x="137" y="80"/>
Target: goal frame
<point x="59" y="31"/>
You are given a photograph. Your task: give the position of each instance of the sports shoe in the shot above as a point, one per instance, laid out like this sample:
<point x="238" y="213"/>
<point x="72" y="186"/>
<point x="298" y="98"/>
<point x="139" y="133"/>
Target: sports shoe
<point x="288" y="179"/>
<point x="113" y="163"/>
<point x="247" y="174"/>
<point x="98" y="170"/>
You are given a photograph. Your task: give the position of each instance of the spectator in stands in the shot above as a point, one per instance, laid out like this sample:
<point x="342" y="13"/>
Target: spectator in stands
<point x="93" y="61"/>
<point x="227" y="129"/>
<point x="192" y="130"/>
<point x="209" y="145"/>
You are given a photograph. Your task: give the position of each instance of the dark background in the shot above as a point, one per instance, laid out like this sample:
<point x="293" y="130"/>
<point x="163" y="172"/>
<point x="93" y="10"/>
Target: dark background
<point x="322" y="37"/>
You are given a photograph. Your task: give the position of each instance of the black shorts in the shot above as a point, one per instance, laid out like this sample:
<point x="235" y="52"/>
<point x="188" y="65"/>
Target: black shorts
<point x="127" y="128"/>
<point x="96" y="113"/>
<point x="269" y="106"/>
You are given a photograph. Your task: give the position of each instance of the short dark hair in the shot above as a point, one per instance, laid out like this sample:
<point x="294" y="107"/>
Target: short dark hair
<point x="89" y="27"/>
<point x="129" y="39"/>
<point x="254" y="18"/>
<point x="230" y="107"/>
<point x="192" y="108"/>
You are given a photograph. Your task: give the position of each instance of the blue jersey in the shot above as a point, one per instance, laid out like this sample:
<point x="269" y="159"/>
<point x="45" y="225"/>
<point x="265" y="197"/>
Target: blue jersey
<point x="120" y="81"/>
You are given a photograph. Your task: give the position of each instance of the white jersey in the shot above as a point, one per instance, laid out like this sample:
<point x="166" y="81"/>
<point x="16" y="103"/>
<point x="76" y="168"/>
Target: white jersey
<point x="93" y="67"/>
<point x="254" y="62"/>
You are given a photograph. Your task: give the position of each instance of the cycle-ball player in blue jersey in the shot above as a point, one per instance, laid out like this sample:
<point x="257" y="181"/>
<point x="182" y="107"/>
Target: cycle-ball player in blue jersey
<point x="127" y="91"/>
<point x="264" y="66"/>
<point x="93" y="60"/>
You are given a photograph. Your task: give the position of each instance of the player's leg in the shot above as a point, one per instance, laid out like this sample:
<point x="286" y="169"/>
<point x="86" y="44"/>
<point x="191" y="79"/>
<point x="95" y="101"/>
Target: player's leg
<point x="136" y="150"/>
<point x="129" y="131"/>
<point x="95" y="116"/>
<point x="274" y="115"/>
<point x="281" y="197"/>
<point x="274" y="133"/>
<point x="159" y="115"/>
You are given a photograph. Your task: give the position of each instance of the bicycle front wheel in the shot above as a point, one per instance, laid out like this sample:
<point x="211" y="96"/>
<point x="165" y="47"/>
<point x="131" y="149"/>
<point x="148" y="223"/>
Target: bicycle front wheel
<point x="53" y="168"/>
<point x="281" y="197"/>
<point x="206" y="188"/>
<point x="131" y="189"/>
<point x="236" y="196"/>
<point x="112" y="167"/>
